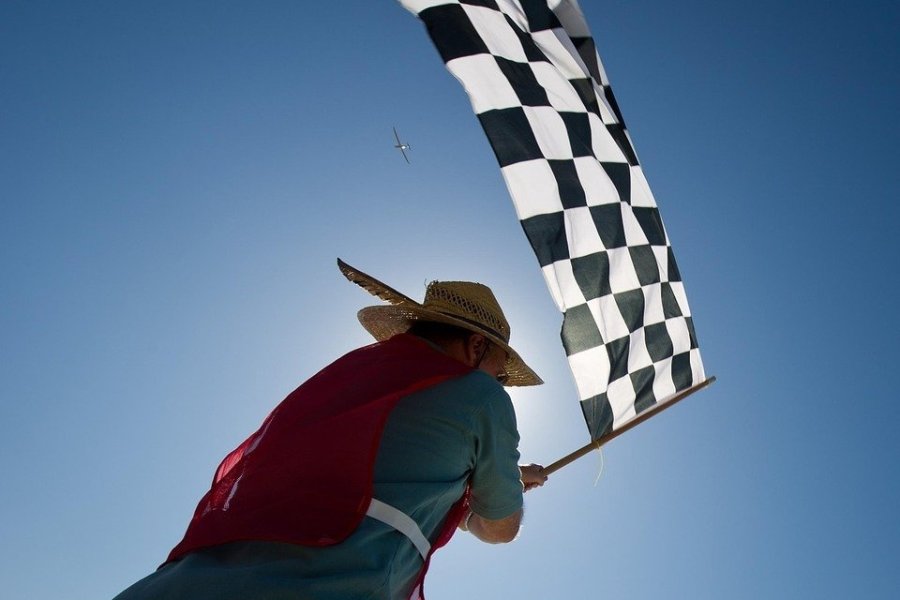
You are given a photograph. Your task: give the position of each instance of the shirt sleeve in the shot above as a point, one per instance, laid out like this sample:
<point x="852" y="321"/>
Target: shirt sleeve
<point x="496" y="481"/>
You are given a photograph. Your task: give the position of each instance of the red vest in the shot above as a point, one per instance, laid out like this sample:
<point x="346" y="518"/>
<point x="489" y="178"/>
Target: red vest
<point x="305" y="477"/>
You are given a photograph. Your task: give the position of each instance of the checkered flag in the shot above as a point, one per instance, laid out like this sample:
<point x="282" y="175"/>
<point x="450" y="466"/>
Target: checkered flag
<point x="535" y="81"/>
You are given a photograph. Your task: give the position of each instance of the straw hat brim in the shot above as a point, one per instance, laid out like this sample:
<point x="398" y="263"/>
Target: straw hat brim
<point x="401" y="311"/>
<point x="386" y="321"/>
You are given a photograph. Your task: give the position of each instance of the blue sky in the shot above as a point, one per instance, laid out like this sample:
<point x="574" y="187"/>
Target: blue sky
<point x="177" y="179"/>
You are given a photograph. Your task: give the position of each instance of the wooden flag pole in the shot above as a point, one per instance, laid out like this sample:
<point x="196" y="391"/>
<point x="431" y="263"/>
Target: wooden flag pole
<point x="653" y="410"/>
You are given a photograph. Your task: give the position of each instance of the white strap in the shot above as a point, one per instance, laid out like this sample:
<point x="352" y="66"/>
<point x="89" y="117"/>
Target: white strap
<point x="400" y="521"/>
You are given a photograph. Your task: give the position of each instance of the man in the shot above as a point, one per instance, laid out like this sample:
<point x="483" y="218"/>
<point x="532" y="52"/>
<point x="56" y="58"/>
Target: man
<point x="358" y="475"/>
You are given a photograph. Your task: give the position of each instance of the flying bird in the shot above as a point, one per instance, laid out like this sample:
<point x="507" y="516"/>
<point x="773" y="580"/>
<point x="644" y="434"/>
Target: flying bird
<point x="402" y="147"/>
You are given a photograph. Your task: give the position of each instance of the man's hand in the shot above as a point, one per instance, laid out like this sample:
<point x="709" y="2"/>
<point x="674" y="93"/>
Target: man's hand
<point x="532" y="476"/>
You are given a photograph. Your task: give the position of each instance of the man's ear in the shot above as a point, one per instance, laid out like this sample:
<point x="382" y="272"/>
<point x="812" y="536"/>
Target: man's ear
<point x="475" y="348"/>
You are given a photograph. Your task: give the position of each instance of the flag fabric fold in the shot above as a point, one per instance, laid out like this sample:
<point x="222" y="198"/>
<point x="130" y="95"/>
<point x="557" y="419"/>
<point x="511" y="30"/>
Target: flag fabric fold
<point x="536" y="84"/>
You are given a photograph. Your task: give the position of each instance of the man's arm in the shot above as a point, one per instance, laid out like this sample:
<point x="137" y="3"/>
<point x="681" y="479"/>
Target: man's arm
<point x="494" y="531"/>
<point x="501" y="531"/>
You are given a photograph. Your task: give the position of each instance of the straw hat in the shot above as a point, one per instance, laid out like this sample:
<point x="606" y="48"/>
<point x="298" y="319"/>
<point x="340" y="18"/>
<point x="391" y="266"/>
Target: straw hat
<point x="471" y="306"/>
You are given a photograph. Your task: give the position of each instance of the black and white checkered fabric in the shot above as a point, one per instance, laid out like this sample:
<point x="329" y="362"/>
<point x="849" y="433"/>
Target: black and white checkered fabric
<point x="537" y="85"/>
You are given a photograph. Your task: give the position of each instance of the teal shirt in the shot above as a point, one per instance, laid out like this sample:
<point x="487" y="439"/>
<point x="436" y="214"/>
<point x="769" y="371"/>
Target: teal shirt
<point x="434" y="441"/>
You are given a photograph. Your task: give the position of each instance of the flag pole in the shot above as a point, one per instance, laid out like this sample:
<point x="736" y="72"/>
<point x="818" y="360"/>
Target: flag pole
<point x="653" y="410"/>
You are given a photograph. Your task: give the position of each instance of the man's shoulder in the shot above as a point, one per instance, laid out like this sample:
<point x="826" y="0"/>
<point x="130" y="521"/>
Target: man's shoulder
<point x="473" y="393"/>
<point x="476" y="382"/>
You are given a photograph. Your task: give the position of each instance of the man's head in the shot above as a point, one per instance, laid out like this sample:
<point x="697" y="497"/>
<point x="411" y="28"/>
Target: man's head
<point x="467" y="306"/>
<point x="468" y="347"/>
